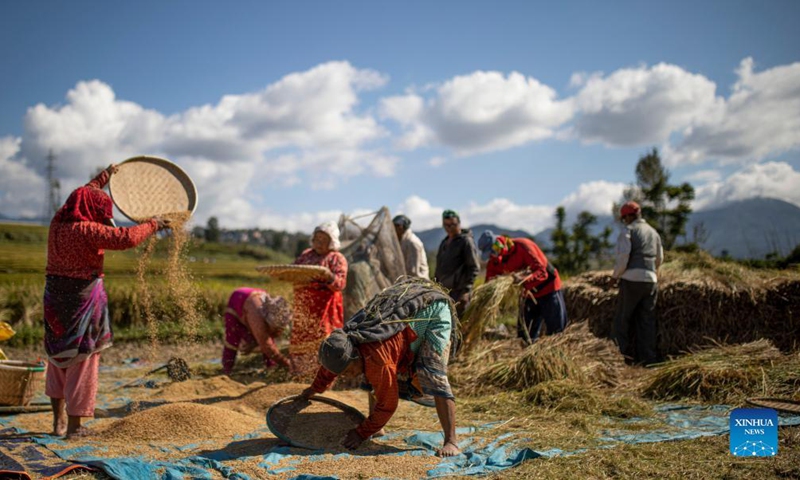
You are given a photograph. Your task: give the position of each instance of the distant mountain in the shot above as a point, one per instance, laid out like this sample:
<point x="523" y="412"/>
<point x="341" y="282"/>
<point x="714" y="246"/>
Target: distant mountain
<point x="749" y="228"/>
<point x="433" y="237"/>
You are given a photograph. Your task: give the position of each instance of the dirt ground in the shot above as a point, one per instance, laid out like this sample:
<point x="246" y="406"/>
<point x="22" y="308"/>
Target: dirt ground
<point x="155" y="422"/>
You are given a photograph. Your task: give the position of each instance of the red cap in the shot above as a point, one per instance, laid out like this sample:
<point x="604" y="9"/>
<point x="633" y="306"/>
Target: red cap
<point x="630" y="208"/>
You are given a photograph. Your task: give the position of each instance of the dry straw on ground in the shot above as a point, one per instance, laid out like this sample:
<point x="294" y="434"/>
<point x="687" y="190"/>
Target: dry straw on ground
<point x="702" y="300"/>
<point x="573" y="354"/>
<point x="727" y="374"/>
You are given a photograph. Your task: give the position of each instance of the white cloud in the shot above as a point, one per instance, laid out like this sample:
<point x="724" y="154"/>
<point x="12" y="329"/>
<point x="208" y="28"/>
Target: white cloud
<point x="772" y="179"/>
<point x="479" y="112"/>
<point x="760" y="119"/>
<point x="21" y="188"/>
<point x="704" y="176"/>
<point x="305" y="127"/>
<point x="596" y="197"/>
<point x="639" y="106"/>
<point x="437" y="161"/>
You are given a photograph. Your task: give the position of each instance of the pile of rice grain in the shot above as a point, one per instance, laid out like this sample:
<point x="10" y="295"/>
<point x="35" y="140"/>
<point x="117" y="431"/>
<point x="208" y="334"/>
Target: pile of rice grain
<point x="370" y="466"/>
<point x="220" y="386"/>
<point x="179" y="422"/>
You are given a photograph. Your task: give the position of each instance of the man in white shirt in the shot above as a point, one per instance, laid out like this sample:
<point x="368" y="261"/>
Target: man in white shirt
<point x="413" y="248"/>
<point x="639" y="254"/>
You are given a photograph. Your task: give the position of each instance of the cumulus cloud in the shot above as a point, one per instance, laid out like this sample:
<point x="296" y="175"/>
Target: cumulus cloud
<point x="306" y="127"/>
<point x="596" y="197"/>
<point x="639" y="106"/>
<point x="21" y="188"/>
<point x="760" y="119"/>
<point x="771" y="179"/>
<point x="479" y="112"/>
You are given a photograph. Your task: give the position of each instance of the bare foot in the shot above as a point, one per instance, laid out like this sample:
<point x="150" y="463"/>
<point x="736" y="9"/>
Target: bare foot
<point x="379" y="433"/>
<point x="80" y="433"/>
<point x="60" y="427"/>
<point x="449" y="449"/>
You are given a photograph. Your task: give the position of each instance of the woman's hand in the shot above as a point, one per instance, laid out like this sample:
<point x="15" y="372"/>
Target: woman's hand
<point x="306" y="394"/>
<point x="353" y="440"/>
<point x="163" y="223"/>
<point x="112" y="169"/>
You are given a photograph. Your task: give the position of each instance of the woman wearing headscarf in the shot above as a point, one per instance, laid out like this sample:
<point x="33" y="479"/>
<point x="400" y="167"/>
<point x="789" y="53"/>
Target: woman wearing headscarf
<point x="77" y="326"/>
<point x="319" y="305"/>
<point x="254" y="318"/>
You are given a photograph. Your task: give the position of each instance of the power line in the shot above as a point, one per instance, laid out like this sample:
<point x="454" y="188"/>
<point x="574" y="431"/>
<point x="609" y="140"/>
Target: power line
<point x="53" y="188"/>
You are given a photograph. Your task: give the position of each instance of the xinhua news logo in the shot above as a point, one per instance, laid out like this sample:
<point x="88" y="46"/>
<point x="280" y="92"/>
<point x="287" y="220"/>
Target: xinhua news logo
<point x="754" y="432"/>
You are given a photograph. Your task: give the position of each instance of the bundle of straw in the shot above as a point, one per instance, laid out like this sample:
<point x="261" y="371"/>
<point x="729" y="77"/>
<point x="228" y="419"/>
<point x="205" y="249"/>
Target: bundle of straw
<point x="498" y="296"/>
<point x="533" y="366"/>
<point x="574" y="354"/>
<point x="721" y="374"/>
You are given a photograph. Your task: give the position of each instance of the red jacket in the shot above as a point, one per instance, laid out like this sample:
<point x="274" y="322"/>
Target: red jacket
<point x="76" y="249"/>
<point x="525" y="254"/>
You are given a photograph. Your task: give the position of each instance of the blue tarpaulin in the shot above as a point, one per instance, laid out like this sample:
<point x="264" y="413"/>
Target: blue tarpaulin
<point x="671" y="423"/>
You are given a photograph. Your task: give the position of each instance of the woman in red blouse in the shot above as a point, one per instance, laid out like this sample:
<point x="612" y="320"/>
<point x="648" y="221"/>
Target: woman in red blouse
<point x="76" y="322"/>
<point x="318" y="306"/>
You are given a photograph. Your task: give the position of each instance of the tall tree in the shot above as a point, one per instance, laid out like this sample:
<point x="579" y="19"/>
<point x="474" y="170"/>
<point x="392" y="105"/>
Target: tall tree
<point x="573" y="250"/>
<point x="212" y="230"/>
<point x="666" y="207"/>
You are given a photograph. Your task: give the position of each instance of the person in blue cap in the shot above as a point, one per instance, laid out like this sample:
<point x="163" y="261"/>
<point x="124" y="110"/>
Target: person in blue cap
<point x="543" y="298"/>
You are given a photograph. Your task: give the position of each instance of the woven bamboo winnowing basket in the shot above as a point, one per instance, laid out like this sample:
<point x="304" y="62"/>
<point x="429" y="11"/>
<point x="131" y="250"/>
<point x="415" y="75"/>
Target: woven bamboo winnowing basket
<point x="19" y="382"/>
<point x="296" y="273"/>
<point x="145" y="187"/>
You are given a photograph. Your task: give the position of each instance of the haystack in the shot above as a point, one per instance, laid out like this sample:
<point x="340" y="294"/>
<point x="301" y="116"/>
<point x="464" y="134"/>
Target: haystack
<point x="574" y="354"/>
<point x="727" y="374"/>
<point x="701" y="300"/>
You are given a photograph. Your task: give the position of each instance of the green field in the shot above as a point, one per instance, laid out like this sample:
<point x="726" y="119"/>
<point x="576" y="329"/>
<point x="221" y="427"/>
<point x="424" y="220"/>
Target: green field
<point x="216" y="269"/>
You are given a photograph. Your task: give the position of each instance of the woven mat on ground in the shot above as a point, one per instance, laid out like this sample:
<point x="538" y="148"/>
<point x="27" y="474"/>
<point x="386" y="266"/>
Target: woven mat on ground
<point x="20" y="458"/>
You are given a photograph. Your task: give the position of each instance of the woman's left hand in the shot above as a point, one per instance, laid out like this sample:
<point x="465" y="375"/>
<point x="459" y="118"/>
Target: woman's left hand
<point x="353" y="440"/>
<point x="112" y="169"/>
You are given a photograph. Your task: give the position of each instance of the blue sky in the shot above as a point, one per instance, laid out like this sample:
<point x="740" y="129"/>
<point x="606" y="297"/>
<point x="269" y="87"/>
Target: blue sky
<point x="287" y="113"/>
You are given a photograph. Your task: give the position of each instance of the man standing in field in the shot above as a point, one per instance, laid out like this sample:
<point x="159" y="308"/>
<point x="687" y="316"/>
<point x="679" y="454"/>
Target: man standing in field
<point x="639" y="254"/>
<point x="413" y="250"/>
<point x="457" y="263"/>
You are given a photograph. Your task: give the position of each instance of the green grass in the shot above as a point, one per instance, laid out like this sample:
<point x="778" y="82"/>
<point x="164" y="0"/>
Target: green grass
<point x="216" y="270"/>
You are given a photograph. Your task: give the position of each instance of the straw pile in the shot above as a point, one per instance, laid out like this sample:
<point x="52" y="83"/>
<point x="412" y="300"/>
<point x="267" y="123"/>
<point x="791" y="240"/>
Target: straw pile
<point x="573" y="354"/>
<point x="179" y="422"/>
<point x="489" y="301"/>
<point x="727" y="374"/>
<point x="702" y="299"/>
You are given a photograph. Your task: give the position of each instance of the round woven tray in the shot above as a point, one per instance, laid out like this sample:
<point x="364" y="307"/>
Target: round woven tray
<point x="296" y="273"/>
<point x="288" y="406"/>
<point x="145" y="187"/>
<point x="780" y="404"/>
<point x="19" y="382"/>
